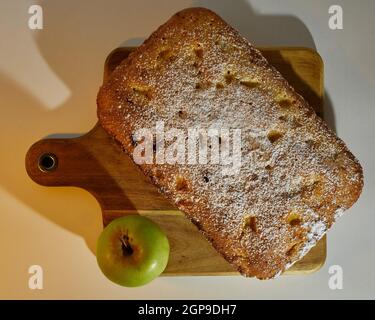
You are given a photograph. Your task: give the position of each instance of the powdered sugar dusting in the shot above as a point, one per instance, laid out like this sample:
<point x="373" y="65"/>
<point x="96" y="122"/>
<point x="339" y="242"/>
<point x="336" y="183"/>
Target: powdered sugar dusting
<point x="316" y="232"/>
<point x="295" y="173"/>
<point x="338" y="213"/>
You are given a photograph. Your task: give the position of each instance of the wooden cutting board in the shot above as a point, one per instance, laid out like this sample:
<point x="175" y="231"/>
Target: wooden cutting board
<point x="96" y="163"/>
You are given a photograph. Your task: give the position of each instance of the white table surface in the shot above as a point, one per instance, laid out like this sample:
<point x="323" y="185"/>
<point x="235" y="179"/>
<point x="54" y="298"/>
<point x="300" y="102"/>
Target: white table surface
<point x="48" y="84"/>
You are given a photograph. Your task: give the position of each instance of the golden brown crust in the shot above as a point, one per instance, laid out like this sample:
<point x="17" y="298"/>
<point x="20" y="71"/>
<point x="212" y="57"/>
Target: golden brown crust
<point x="296" y="177"/>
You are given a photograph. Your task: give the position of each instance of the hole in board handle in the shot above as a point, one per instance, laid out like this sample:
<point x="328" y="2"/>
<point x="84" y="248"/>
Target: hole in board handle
<point x="47" y="162"/>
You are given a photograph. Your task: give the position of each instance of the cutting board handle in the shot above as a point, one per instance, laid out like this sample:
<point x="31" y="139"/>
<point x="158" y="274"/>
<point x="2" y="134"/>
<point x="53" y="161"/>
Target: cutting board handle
<point x="53" y="162"/>
<point x="69" y="162"/>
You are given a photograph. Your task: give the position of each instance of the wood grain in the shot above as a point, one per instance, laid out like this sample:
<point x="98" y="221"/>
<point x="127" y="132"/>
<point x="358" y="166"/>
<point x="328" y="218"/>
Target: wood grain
<point x="96" y="163"/>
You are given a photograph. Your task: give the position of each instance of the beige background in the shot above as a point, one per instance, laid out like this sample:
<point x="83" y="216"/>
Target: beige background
<point x="48" y="84"/>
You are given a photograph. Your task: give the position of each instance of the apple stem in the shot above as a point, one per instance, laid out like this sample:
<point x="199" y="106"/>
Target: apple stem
<point x="125" y="246"/>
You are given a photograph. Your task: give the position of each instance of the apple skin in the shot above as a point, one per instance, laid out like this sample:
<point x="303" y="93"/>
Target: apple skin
<point x="132" y="251"/>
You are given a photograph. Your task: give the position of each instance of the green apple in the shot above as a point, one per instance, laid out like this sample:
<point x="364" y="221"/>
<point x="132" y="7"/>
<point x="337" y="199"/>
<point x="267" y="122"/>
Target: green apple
<point x="132" y="251"/>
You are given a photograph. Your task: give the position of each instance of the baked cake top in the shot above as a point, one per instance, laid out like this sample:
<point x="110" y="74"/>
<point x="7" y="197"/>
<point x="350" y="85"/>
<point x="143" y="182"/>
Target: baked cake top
<point x="296" y="177"/>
